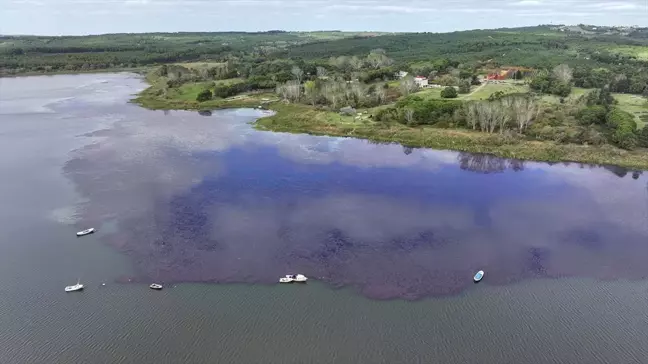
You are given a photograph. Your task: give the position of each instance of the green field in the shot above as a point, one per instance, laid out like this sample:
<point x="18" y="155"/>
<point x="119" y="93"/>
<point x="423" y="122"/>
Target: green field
<point x="490" y="88"/>
<point x="640" y="52"/>
<point x="636" y="105"/>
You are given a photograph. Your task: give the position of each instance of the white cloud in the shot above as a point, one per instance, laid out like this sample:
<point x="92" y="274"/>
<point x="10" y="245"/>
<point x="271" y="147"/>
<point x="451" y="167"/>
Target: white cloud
<point x="528" y="3"/>
<point x="98" y="16"/>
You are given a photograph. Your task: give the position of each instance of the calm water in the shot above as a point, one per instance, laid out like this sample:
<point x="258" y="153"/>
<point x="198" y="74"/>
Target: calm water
<point x="393" y="236"/>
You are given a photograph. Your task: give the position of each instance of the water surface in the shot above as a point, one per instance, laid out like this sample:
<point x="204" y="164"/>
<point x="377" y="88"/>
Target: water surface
<point x="188" y="197"/>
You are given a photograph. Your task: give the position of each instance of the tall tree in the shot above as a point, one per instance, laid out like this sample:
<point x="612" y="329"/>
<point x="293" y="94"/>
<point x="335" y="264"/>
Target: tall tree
<point x="310" y="91"/>
<point x="298" y="73"/>
<point x="408" y="85"/>
<point x="563" y="73"/>
<point x="321" y="72"/>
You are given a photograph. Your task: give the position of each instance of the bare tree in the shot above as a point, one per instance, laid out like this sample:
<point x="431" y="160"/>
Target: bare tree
<point x="472" y="116"/>
<point x="379" y="94"/>
<point x="525" y="109"/>
<point x="290" y="91"/>
<point x="378" y="58"/>
<point x="506" y="107"/>
<point x="356" y="63"/>
<point x="563" y="73"/>
<point x="298" y="73"/>
<point x="321" y="72"/>
<point x="359" y="92"/>
<point x="332" y="92"/>
<point x="408" y="85"/>
<point x="409" y="115"/>
<point x="485" y="111"/>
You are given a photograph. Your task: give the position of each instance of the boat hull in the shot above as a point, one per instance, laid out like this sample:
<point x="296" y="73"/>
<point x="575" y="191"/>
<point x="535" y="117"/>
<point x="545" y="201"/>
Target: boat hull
<point x="479" y="276"/>
<point x="85" y="232"/>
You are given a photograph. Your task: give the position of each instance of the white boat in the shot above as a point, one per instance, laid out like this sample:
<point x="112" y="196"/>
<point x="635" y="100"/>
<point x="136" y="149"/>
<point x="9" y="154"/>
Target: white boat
<point x="287" y="279"/>
<point x="76" y="287"/>
<point x="155" y="286"/>
<point x="478" y="277"/>
<point x="290" y="278"/>
<point x="86" y="232"/>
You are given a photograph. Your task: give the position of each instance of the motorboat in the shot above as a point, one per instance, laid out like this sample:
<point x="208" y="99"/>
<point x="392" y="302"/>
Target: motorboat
<point x="85" y="232"/>
<point x="290" y="278"/>
<point x="155" y="286"/>
<point x="478" y="277"/>
<point x="76" y="287"/>
<point x="287" y="279"/>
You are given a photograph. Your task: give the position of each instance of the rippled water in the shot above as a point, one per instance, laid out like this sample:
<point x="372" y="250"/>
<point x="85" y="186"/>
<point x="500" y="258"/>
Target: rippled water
<point x="188" y="197"/>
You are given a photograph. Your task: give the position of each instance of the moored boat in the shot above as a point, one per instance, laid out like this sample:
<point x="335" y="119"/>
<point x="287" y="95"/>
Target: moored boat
<point x="290" y="278"/>
<point x="155" y="286"/>
<point x="287" y="279"/>
<point x="73" y="288"/>
<point x="85" y="232"/>
<point x="478" y="277"/>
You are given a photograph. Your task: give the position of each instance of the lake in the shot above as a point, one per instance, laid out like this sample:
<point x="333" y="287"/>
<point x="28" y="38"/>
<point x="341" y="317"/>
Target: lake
<point x="390" y="236"/>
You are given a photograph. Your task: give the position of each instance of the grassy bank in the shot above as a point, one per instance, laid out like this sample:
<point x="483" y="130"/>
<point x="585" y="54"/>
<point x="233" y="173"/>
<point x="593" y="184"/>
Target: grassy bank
<point x="296" y="118"/>
<point x="185" y="99"/>
<point x="304" y="119"/>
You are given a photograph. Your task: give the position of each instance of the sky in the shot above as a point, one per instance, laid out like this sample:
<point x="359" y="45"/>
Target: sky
<point x="79" y="17"/>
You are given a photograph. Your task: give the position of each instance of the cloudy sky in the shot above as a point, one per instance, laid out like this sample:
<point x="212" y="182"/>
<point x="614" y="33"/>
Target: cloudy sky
<point x="56" y="17"/>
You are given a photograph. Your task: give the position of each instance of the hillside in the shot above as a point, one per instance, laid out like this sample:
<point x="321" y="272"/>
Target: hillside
<point x="536" y="47"/>
<point x="45" y="54"/>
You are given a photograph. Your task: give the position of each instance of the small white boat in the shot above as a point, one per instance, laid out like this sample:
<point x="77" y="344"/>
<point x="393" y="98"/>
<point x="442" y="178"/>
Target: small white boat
<point x="86" y="232"/>
<point x="76" y="287"/>
<point x="290" y="278"/>
<point x="478" y="277"/>
<point x="155" y="286"/>
<point x="287" y="279"/>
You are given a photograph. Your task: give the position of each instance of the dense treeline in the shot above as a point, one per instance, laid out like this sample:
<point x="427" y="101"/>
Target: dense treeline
<point x="594" y="58"/>
<point x="21" y="54"/>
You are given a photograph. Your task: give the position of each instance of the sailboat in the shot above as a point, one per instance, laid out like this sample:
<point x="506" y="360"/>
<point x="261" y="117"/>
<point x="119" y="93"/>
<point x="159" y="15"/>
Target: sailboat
<point x="76" y="287"/>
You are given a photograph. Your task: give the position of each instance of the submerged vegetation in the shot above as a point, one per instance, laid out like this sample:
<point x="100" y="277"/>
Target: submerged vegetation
<point x="529" y="93"/>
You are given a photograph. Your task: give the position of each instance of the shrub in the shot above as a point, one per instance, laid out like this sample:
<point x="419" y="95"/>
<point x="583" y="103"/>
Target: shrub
<point x="592" y="115"/>
<point x="623" y="128"/>
<point x="642" y="137"/>
<point x="449" y="93"/>
<point x="204" y="95"/>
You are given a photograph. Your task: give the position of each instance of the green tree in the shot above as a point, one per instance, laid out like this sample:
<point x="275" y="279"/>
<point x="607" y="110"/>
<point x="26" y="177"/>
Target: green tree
<point x="464" y="87"/>
<point x="623" y="127"/>
<point x="601" y="97"/>
<point x="449" y="93"/>
<point x="560" y="88"/>
<point x="204" y="95"/>
<point x="642" y="137"/>
<point x="592" y="115"/>
<point x="310" y="91"/>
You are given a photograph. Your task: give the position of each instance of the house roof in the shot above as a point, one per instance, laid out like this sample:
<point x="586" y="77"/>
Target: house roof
<point x="420" y="78"/>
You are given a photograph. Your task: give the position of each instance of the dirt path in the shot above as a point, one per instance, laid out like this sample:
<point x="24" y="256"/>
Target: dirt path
<point x="475" y="90"/>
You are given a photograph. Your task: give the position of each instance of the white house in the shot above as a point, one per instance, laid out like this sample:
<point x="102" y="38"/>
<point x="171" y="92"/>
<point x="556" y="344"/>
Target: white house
<point x="421" y="81"/>
<point x="401" y="74"/>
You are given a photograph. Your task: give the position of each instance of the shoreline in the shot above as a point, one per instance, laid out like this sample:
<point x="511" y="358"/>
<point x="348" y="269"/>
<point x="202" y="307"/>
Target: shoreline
<point x="303" y="119"/>
<point x="136" y="70"/>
